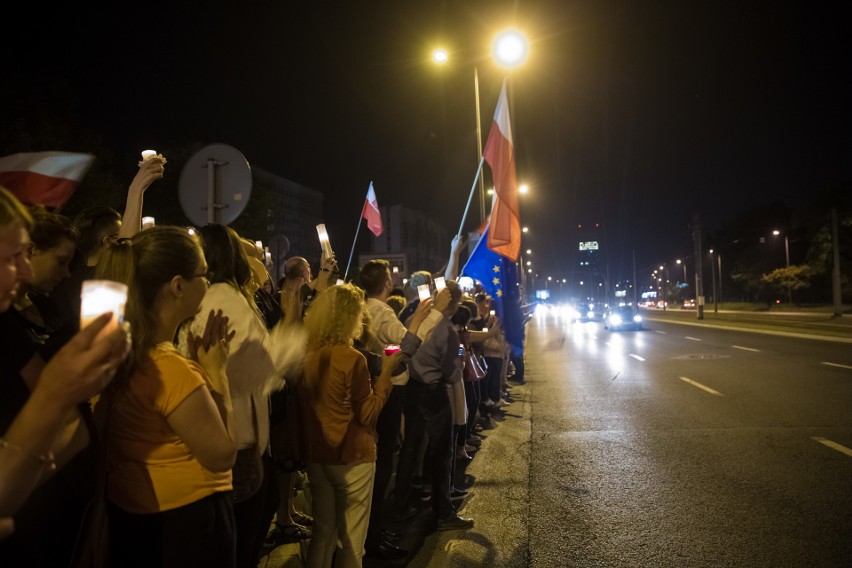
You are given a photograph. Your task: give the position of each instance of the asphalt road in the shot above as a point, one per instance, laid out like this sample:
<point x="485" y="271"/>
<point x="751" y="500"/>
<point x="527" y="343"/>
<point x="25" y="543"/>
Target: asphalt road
<point x="675" y="446"/>
<point x="685" y="446"/>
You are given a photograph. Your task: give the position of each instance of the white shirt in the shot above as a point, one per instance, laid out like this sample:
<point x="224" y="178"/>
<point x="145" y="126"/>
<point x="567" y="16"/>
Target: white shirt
<point x="257" y="360"/>
<point x="389" y="330"/>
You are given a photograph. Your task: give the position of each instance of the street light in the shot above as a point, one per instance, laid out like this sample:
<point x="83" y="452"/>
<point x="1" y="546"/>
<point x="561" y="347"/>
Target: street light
<point x="526" y="229"/>
<point x="776" y="233"/>
<point x="509" y="50"/>
<point x="523" y="188"/>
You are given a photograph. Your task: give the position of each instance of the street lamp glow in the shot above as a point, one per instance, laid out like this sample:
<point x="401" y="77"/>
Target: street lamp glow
<point x="523" y="188"/>
<point x="678" y="261"/>
<point x="529" y="251"/>
<point x="529" y="270"/>
<point x="776" y="232"/>
<point x="440" y="56"/>
<point x="510" y="48"/>
<point x="526" y="229"/>
<point x="529" y="263"/>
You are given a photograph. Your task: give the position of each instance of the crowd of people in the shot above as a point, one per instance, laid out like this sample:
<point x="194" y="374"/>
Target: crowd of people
<point x="185" y="428"/>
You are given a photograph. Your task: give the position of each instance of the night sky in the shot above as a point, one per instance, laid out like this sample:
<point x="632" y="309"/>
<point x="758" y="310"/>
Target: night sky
<point x="634" y="115"/>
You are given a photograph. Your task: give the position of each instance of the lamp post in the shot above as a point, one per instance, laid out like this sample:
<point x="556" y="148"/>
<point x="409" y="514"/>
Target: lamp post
<point x="664" y="272"/>
<point x="713" y="277"/>
<point x="776" y="233"/>
<point x="508" y="50"/>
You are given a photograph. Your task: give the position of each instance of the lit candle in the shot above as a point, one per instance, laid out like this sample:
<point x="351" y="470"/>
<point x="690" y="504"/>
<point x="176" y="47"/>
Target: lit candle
<point x="396" y="270"/>
<point x="340" y="281"/>
<point x="258" y="244"/>
<point x="101" y="296"/>
<point x="147" y="222"/>
<point x="148" y="154"/>
<point x="440" y="283"/>
<point x="423" y="292"/>
<point x="323" y="239"/>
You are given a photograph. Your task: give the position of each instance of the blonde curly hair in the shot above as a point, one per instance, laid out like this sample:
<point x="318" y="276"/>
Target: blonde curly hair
<point x="335" y="316"/>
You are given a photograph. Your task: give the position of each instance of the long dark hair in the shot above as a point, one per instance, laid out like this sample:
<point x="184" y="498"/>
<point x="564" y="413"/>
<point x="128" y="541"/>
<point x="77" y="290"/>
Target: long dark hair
<point x="145" y="263"/>
<point x="226" y="258"/>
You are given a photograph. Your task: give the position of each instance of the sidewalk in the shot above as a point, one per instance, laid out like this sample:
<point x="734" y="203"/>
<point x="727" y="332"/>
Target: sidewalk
<point x="498" y="503"/>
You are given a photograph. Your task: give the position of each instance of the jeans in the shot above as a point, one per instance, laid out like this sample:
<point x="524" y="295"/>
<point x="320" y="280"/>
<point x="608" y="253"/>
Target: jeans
<point x="341" y="507"/>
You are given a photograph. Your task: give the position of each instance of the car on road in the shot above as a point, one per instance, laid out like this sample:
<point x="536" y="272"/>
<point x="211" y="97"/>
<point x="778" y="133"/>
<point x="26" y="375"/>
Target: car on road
<point x="622" y="317"/>
<point x="592" y="311"/>
<point x="688" y="304"/>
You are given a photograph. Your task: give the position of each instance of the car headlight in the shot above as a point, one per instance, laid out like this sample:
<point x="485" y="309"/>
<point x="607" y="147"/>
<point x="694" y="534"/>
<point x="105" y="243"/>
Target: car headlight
<point x="637" y="318"/>
<point x="615" y="319"/>
<point x="590" y="314"/>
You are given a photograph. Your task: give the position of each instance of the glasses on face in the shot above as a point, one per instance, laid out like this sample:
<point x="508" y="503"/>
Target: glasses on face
<point x="208" y="276"/>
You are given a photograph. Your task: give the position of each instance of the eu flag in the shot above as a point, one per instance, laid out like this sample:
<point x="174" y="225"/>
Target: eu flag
<point x="499" y="278"/>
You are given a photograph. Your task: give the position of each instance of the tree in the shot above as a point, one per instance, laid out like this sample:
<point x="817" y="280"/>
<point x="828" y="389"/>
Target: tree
<point x="793" y="277"/>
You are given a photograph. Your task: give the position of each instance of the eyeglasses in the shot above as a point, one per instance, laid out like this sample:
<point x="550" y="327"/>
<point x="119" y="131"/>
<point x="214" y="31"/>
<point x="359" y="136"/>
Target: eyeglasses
<point x="206" y="275"/>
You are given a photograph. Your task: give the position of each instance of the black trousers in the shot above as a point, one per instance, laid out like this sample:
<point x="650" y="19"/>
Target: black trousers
<point x="493" y="379"/>
<point x="254" y="515"/>
<point x="387" y="429"/>
<point x="427" y="410"/>
<point x="473" y="398"/>
<point x="200" y="534"/>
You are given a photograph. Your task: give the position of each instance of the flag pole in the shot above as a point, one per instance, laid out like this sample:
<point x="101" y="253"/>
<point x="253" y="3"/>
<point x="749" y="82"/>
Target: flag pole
<point x="470" y="197"/>
<point x="352" y="252"/>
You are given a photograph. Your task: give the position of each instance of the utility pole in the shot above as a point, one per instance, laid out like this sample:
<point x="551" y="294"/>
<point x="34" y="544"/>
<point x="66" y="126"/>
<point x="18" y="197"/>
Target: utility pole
<point x="699" y="289"/>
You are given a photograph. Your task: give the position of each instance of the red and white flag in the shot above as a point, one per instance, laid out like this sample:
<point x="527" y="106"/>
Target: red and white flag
<point x="504" y="234"/>
<point x="44" y="178"/>
<point x="371" y="212"/>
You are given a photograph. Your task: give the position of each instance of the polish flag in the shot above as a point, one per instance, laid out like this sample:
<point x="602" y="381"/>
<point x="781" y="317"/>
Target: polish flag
<point x="44" y="178"/>
<point x="504" y="234"/>
<point x="371" y="212"/>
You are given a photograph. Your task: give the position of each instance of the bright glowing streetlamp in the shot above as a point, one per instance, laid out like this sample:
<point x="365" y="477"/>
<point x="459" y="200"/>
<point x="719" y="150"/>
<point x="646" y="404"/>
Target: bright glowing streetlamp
<point x="523" y="188"/>
<point x="510" y="48"/>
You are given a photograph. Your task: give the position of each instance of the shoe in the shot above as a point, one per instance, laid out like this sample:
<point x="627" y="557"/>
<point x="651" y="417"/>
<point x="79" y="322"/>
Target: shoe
<point x="391" y="536"/>
<point x="500" y="403"/>
<point x="459" y="494"/>
<point x="386" y="551"/>
<point x="468" y="448"/>
<point x="405" y="515"/>
<point x="454" y="523"/>
<point x="462" y="455"/>
<point x="302" y="519"/>
<point x="281" y="534"/>
<point x="474" y="440"/>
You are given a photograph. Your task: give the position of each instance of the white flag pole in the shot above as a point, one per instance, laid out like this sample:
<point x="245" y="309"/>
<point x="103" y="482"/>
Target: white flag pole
<point x="352" y="252"/>
<point x="470" y="197"/>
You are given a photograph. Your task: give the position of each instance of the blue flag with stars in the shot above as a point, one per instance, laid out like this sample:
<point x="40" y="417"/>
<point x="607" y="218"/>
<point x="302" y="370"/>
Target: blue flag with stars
<point x="499" y="278"/>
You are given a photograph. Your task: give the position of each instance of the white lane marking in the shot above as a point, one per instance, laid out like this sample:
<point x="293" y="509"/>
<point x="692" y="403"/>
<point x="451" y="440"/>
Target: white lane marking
<point x="660" y="332"/>
<point x="692" y="338"/>
<point x="836" y="365"/>
<point x="745" y="348"/>
<point x="637" y="357"/>
<point x="833" y="445"/>
<point x="702" y="387"/>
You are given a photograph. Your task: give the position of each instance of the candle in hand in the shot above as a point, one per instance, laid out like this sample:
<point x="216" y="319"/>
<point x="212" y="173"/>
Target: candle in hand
<point x="148" y="154"/>
<point x="323" y="238"/>
<point x="100" y="296"/>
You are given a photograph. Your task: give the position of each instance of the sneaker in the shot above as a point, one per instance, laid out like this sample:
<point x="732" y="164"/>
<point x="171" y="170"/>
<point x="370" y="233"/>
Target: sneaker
<point x="500" y="403"/>
<point x="454" y="523"/>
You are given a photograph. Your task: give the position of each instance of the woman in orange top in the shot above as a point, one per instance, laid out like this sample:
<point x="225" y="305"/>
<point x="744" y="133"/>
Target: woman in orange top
<point x="339" y="410"/>
<point x="170" y="432"/>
